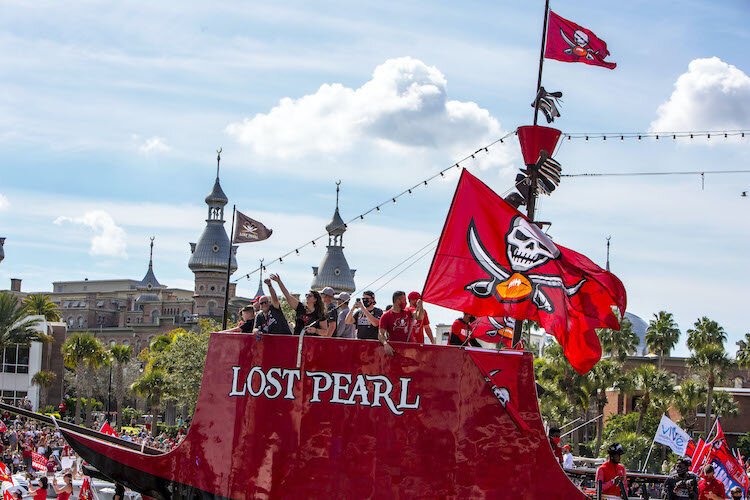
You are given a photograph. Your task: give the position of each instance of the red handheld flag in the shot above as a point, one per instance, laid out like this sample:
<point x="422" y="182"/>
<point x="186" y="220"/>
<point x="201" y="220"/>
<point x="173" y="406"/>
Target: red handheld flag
<point x="569" y="42"/>
<point x="495" y="330"/>
<point x="491" y="261"/>
<point x="108" y="429"/>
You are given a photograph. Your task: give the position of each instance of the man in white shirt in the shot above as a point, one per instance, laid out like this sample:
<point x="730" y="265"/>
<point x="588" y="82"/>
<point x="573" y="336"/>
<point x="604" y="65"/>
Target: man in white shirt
<point x="567" y="457"/>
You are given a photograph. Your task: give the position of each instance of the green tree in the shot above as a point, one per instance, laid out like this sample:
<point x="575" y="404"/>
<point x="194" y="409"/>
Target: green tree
<point x="120" y="356"/>
<point x="618" y="344"/>
<point x="653" y="388"/>
<point x="151" y="387"/>
<point x="44" y="380"/>
<point x="662" y="335"/>
<point x="691" y="394"/>
<point x="83" y="353"/>
<point x="15" y="325"/>
<point x="705" y="331"/>
<point x="743" y="351"/>
<point x="183" y="364"/>
<point x="711" y="362"/>
<point x="723" y="405"/>
<point x="604" y="375"/>
<point x="41" y="305"/>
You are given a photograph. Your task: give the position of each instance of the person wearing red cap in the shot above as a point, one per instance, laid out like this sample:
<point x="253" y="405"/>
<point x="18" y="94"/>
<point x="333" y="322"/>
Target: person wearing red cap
<point x="396" y="323"/>
<point x="422" y="326"/>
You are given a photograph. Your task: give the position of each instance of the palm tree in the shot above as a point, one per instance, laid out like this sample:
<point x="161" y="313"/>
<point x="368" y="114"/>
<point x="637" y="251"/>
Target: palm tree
<point x="652" y="385"/>
<point x="743" y="353"/>
<point x="711" y="363"/>
<point x="40" y="304"/>
<point x="723" y="405"/>
<point x="662" y="335"/>
<point x="151" y="386"/>
<point x="83" y="353"/>
<point x="44" y="379"/>
<point x="619" y="343"/>
<point x="687" y="399"/>
<point x="602" y="376"/>
<point x="15" y="325"/>
<point x="705" y="331"/>
<point x="120" y="355"/>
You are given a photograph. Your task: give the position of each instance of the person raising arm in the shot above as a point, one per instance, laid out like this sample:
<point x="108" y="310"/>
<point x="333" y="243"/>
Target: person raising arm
<point x="310" y="316"/>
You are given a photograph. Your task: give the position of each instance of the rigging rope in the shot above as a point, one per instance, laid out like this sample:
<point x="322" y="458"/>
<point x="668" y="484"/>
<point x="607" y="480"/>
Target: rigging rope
<point x="376" y="208"/>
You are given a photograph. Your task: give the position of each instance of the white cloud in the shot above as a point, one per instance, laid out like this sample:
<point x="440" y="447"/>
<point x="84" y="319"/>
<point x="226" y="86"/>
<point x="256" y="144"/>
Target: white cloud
<point x="711" y="95"/>
<point x="109" y="239"/>
<point x="4" y="203"/>
<point x="401" y="112"/>
<point x="154" y="145"/>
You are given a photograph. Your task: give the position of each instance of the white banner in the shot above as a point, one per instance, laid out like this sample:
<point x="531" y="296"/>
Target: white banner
<point x="670" y="434"/>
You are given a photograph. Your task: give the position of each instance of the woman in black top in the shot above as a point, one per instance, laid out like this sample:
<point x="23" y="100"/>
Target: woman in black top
<point x="310" y="315"/>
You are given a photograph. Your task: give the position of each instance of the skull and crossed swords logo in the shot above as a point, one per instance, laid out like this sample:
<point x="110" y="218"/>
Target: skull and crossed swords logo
<point x="579" y="46"/>
<point x="527" y="248"/>
<point x="249" y="230"/>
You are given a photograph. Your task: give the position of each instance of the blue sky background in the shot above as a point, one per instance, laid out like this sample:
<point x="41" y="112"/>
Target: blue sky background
<point x="111" y="115"/>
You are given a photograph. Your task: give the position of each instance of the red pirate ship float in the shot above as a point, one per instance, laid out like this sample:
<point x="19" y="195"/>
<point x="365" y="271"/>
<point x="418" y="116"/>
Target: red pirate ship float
<point x="292" y="417"/>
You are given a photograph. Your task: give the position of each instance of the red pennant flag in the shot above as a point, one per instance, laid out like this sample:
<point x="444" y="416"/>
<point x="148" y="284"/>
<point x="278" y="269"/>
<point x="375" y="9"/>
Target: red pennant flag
<point x="495" y="330"/>
<point x="85" y="492"/>
<point x="690" y="448"/>
<point x="569" y="42"/>
<point x="7" y="495"/>
<point x="108" y="429"/>
<point x="727" y="468"/>
<point x="719" y="439"/>
<point x="491" y="261"/>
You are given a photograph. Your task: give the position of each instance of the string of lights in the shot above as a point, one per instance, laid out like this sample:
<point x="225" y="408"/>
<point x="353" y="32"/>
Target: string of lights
<point x="622" y="136"/>
<point x="637" y="174"/>
<point x="393" y="199"/>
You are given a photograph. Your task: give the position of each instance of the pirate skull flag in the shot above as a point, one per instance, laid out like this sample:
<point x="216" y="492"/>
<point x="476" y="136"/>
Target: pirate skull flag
<point x="494" y="330"/>
<point x="248" y="230"/>
<point x="569" y="42"/>
<point x="491" y="261"/>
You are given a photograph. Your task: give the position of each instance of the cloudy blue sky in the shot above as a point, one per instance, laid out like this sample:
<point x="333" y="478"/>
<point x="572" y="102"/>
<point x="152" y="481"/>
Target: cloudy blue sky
<point x="112" y="112"/>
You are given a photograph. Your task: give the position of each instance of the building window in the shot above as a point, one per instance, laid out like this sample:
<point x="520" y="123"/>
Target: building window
<point x="16" y="359"/>
<point x="211" y="306"/>
<point x="80" y="322"/>
<point x="13" y="397"/>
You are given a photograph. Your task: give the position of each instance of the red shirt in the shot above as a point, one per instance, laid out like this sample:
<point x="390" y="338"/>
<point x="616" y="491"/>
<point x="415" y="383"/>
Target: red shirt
<point x="397" y="324"/>
<point x="40" y="494"/>
<point x="417" y="331"/>
<point x="460" y="329"/>
<point x="711" y="485"/>
<point x="606" y="473"/>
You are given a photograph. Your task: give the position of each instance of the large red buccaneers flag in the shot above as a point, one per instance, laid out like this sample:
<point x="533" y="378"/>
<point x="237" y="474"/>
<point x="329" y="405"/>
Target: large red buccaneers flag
<point x="492" y="262"/>
<point x="569" y="42"/>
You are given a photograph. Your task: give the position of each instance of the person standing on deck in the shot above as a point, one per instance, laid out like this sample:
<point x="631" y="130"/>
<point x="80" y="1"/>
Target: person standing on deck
<point x="421" y="327"/>
<point x="310" y="316"/>
<point x="612" y="473"/>
<point x="365" y="316"/>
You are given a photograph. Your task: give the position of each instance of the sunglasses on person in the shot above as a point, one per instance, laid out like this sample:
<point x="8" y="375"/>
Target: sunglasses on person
<point x="263" y="302"/>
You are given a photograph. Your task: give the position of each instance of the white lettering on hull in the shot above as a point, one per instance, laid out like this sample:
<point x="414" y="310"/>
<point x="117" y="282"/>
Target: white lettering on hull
<point x="336" y="388"/>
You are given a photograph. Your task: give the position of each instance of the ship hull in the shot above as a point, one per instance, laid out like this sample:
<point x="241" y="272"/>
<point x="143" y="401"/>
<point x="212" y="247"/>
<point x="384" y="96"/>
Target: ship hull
<point x="349" y="422"/>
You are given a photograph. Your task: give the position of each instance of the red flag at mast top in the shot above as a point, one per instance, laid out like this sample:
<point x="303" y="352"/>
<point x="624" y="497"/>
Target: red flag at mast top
<point x="571" y="42"/>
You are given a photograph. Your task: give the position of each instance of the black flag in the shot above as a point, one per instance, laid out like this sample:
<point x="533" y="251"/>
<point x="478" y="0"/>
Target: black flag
<point x="248" y="230"/>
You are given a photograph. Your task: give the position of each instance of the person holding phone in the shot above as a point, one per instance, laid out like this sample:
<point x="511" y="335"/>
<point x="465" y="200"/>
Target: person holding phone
<point x="365" y="316"/>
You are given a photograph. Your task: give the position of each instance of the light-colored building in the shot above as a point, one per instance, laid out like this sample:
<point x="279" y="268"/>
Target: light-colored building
<point x="334" y="270"/>
<point x="20" y="364"/>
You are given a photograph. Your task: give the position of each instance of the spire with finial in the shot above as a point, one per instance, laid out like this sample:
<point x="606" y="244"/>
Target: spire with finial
<point x="334" y="271"/>
<point x="608" y="238"/>
<point x="336" y="228"/>
<point x="149" y="281"/>
<point x="218" y="161"/>
<point x="259" y="293"/>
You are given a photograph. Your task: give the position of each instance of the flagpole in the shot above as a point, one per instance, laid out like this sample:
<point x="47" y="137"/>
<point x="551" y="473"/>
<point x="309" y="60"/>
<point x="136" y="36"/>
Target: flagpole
<point x="645" y="464"/>
<point x="229" y="272"/>
<point x="531" y="202"/>
<point x="541" y="60"/>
